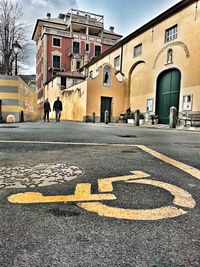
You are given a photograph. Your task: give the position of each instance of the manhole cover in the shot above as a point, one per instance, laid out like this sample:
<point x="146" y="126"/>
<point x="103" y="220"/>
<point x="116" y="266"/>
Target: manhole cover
<point x="38" y="175"/>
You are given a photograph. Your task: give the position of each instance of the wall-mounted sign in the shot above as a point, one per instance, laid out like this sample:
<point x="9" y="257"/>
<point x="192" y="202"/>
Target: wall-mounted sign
<point x="150" y="105"/>
<point x="187" y="102"/>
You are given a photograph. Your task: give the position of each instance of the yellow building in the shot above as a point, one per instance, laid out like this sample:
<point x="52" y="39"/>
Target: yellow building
<point x="152" y="69"/>
<point x="17" y="99"/>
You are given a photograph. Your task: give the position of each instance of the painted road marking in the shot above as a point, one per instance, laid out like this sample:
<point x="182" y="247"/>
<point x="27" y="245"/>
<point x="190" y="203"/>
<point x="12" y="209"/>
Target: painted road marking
<point x="105" y="184"/>
<point x="83" y="193"/>
<point x="182" y="166"/>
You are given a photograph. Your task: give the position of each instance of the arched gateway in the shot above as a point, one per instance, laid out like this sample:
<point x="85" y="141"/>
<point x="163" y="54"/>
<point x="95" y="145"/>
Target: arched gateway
<point x="167" y="94"/>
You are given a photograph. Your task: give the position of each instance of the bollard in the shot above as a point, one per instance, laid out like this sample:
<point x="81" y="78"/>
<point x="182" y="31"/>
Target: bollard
<point x="137" y="117"/>
<point x="172" y="117"/>
<point x="106" y="120"/>
<point x="93" y="117"/>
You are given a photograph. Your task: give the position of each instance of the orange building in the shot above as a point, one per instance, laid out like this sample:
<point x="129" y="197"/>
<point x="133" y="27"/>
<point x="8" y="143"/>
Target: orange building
<point x="66" y="43"/>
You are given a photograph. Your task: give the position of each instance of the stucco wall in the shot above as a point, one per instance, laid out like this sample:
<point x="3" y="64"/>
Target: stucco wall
<point x="74" y="102"/>
<point x="96" y="90"/>
<point x="141" y="72"/>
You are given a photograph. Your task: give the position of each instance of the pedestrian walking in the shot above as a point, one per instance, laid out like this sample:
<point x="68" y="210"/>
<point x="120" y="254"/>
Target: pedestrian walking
<point x="47" y="109"/>
<point x="57" y="107"/>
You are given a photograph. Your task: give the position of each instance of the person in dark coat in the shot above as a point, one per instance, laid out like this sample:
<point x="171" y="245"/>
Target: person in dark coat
<point x="57" y="107"/>
<point x="47" y="109"/>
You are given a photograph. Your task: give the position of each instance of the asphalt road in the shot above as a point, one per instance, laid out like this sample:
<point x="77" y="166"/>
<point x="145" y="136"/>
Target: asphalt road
<point x="55" y="158"/>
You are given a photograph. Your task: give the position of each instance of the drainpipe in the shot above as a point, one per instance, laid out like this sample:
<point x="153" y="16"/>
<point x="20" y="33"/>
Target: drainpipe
<point x="121" y="61"/>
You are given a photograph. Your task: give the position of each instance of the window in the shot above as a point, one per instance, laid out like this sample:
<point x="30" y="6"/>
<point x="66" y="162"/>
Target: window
<point x="87" y="47"/>
<point x="63" y="82"/>
<point x="76" y="47"/>
<point x="117" y="62"/>
<point x="169" y="56"/>
<point x="56" y="42"/>
<point x="97" y="50"/>
<point x="171" y="33"/>
<point x="74" y="81"/>
<point x="91" y="74"/>
<point x="107" y="75"/>
<point x="78" y="65"/>
<point x="56" y="62"/>
<point x="138" y="50"/>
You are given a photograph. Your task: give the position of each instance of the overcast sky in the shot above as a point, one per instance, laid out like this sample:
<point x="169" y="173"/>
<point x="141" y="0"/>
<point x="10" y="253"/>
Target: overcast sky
<point x="125" y="15"/>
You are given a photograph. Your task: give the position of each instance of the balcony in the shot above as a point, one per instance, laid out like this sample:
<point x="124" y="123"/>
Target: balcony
<point x="109" y="42"/>
<point x="77" y="54"/>
<point x="57" y="32"/>
<point x="56" y="66"/>
<point x="87" y="18"/>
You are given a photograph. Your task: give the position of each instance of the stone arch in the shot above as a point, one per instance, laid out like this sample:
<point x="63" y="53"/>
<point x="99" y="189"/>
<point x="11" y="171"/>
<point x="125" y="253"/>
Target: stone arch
<point x="168" y="86"/>
<point x="128" y="88"/>
<point x="168" y="46"/>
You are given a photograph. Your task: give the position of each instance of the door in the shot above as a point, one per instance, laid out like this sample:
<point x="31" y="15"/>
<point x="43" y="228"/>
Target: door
<point x="106" y="104"/>
<point x="168" y="91"/>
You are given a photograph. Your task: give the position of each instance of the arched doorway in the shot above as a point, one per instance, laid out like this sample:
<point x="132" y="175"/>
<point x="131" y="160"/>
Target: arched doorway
<point x="168" y="91"/>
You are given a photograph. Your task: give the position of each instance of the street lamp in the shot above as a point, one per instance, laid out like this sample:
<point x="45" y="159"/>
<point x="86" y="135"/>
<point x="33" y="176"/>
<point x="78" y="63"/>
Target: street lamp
<point x="16" y="49"/>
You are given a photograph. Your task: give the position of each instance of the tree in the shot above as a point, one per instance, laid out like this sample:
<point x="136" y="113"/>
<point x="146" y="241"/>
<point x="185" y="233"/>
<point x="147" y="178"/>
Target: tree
<point x="11" y="30"/>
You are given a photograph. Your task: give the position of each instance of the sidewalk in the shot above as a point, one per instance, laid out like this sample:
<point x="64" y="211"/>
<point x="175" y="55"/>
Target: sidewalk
<point x="159" y="126"/>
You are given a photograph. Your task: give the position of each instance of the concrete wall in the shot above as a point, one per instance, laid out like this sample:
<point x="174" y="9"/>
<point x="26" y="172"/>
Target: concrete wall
<point x="17" y="97"/>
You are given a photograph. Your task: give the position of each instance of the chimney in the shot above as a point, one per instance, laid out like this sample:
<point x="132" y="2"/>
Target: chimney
<point x="48" y="15"/>
<point x="111" y="29"/>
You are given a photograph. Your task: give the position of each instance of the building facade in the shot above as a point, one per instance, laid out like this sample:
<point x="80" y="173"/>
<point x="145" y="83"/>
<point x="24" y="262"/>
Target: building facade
<point x="66" y="43"/>
<point x="157" y="66"/>
<point x="160" y="62"/>
<point x="17" y="99"/>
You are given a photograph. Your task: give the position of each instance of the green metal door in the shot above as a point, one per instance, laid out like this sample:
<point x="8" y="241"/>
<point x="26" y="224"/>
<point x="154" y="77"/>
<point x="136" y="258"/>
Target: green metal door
<point x="168" y="90"/>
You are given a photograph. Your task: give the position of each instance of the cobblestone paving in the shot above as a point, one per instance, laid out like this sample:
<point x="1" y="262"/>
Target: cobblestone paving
<point x="38" y="175"/>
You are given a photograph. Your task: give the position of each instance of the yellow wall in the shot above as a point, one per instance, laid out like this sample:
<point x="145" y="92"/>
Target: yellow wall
<point x="141" y="72"/>
<point x="74" y="102"/>
<point x="81" y="100"/>
<point x="96" y="90"/>
<point x="17" y="97"/>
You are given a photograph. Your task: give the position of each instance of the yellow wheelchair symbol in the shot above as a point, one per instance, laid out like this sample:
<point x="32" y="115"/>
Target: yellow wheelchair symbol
<point x="92" y="202"/>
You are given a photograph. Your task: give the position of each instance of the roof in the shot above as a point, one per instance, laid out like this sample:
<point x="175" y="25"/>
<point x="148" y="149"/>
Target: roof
<point x="62" y="22"/>
<point x="28" y="78"/>
<point x="166" y="14"/>
<point x="112" y="33"/>
<point x="67" y="74"/>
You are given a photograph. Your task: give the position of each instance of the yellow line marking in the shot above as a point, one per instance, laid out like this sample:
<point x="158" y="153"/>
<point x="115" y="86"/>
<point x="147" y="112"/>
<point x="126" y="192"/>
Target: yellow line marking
<point x="181" y="197"/>
<point x="83" y="189"/>
<point x="130" y="214"/>
<point x="182" y="166"/>
<point x="105" y="184"/>
<point x="81" y="194"/>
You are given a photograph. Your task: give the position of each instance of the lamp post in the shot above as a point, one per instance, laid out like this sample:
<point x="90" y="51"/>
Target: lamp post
<point x="16" y="49"/>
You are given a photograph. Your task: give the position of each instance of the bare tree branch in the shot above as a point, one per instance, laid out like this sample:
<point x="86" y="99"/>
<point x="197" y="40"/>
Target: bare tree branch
<point x="12" y="29"/>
